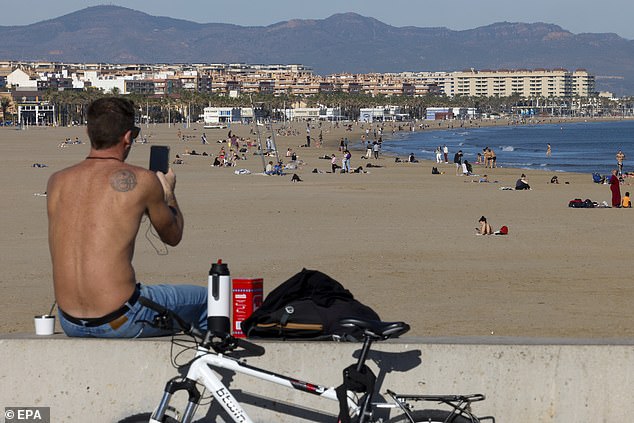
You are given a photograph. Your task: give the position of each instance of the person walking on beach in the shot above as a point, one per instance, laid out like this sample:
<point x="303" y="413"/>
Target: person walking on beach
<point x="94" y="210"/>
<point x="333" y="163"/>
<point x="445" y="152"/>
<point x="368" y="151"/>
<point x="549" y="151"/>
<point x="492" y="158"/>
<point x="615" y="187"/>
<point x="438" y="155"/>
<point x="619" y="162"/>
<point x="457" y="159"/>
<point x="346" y="157"/>
<point x="375" y="148"/>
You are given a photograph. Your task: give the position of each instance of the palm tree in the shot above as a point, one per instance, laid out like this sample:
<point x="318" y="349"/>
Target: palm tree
<point x="5" y="103"/>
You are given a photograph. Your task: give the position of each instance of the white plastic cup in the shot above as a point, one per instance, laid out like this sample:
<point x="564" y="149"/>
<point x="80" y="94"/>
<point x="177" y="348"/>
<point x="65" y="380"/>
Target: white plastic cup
<point x="45" y="324"/>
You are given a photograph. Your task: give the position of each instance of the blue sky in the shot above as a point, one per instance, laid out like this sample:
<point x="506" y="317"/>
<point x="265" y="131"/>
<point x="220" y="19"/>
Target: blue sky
<point x="576" y="16"/>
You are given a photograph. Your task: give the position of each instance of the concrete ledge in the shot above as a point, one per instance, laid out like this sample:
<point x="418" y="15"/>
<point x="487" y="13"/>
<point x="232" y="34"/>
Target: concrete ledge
<point x="525" y="380"/>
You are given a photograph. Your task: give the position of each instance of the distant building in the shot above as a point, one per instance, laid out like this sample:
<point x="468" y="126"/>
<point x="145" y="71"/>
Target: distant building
<point x="20" y="79"/>
<point x="442" y="113"/>
<point x="32" y="109"/>
<point x="221" y="115"/>
<point x="547" y="83"/>
<point x="313" y="113"/>
<point x="381" y="114"/>
<point x="140" y="86"/>
<point x="238" y="79"/>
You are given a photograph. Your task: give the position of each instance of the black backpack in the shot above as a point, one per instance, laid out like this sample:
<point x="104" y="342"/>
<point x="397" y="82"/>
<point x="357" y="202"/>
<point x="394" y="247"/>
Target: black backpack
<point x="309" y="305"/>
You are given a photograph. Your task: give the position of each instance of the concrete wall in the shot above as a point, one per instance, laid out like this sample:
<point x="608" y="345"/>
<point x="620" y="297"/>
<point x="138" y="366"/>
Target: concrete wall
<point x="524" y="380"/>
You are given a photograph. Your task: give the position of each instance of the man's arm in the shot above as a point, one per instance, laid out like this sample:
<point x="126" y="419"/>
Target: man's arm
<point x="163" y="210"/>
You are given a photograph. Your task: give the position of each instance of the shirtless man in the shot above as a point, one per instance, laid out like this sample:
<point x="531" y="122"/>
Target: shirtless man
<point x="94" y="212"/>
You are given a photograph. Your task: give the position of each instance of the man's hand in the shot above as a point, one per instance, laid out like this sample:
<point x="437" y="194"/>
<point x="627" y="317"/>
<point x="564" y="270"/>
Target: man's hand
<point x="168" y="181"/>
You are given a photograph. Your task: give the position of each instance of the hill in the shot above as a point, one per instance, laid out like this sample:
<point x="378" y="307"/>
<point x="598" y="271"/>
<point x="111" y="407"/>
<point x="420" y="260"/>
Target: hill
<point x="345" y="42"/>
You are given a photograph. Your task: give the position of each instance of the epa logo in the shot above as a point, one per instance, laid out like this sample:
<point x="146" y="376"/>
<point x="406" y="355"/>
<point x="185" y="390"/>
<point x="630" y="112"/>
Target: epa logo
<point x="27" y="414"/>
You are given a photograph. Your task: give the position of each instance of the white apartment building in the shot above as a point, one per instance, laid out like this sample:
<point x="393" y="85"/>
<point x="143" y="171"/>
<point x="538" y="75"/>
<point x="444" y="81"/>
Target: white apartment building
<point x="546" y="83"/>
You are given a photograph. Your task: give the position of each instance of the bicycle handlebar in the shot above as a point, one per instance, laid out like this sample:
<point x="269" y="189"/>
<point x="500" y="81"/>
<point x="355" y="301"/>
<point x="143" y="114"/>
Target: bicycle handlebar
<point x="164" y="314"/>
<point x="226" y="342"/>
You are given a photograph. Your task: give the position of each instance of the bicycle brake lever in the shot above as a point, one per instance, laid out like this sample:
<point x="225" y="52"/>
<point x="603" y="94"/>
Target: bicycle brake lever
<point x="228" y="343"/>
<point x="249" y="346"/>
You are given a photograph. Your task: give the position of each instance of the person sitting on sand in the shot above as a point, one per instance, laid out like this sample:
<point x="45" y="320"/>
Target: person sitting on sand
<point x="269" y="168"/>
<point x="625" y="202"/>
<point x="485" y="228"/>
<point x="278" y="169"/>
<point x="467" y="169"/>
<point x="522" y="183"/>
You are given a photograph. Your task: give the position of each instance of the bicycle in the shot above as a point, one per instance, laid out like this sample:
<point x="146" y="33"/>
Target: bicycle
<point x="354" y="395"/>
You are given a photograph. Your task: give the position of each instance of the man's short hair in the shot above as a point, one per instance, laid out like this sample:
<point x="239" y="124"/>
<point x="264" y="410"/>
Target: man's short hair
<point x="109" y="118"/>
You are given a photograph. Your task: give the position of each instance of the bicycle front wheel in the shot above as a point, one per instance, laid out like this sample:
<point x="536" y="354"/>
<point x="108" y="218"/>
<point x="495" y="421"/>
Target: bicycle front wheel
<point x="432" y="416"/>
<point x="145" y="418"/>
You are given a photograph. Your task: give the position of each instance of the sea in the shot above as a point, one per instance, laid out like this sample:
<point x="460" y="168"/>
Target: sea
<point x="582" y="147"/>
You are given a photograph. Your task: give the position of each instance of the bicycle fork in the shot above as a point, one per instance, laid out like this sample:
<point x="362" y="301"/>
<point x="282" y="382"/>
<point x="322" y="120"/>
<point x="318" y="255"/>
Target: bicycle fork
<point x="172" y="387"/>
<point x="199" y="371"/>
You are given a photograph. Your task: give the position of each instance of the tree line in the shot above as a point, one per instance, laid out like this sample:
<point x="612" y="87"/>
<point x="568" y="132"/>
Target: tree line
<point x="71" y="105"/>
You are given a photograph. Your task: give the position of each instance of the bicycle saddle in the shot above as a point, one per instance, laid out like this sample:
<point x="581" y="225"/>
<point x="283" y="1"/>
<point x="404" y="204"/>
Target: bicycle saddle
<point x="376" y="328"/>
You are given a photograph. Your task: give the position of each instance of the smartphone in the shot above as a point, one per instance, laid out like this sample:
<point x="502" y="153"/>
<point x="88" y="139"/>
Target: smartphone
<point x="159" y="158"/>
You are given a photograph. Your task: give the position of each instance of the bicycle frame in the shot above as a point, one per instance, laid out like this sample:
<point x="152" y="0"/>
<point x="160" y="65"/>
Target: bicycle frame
<point x="357" y="389"/>
<point x="200" y="371"/>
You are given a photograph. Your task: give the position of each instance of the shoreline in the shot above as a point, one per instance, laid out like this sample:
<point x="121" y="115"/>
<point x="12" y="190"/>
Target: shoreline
<point x="510" y="123"/>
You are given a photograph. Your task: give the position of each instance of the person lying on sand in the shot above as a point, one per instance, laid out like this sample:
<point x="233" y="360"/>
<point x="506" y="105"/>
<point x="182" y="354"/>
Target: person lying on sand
<point x="485" y="228"/>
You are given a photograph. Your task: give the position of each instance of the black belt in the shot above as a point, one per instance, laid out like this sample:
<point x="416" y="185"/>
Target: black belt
<point x="98" y="321"/>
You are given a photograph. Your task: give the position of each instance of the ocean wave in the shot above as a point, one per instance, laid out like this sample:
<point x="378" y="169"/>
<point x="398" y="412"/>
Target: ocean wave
<point x="507" y="148"/>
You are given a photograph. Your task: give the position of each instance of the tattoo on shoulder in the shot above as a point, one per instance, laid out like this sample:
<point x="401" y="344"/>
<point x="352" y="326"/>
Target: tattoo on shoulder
<point x="123" y="180"/>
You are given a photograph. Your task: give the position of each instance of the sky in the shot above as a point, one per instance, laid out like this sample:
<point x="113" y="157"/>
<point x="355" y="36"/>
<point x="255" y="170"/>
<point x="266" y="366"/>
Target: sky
<point x="576" y="16"/>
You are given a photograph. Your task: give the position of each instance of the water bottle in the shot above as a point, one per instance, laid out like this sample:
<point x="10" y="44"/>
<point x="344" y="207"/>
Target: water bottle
<point x="219" y="298"/>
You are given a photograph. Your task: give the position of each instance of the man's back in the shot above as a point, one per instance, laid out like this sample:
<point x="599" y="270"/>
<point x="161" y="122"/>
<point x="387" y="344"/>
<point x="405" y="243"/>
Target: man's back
<point x="95" y="209"/>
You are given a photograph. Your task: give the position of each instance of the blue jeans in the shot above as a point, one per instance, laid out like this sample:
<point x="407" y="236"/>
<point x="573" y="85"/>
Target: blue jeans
<point x="188" y="301"/>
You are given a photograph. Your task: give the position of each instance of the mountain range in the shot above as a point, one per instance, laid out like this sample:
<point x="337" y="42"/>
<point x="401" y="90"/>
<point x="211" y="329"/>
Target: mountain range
<point x="345" y="42"/>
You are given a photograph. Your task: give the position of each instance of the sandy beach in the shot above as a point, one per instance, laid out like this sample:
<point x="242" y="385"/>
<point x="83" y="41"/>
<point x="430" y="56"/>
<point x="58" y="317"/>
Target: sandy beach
<point x="399" y="238"/>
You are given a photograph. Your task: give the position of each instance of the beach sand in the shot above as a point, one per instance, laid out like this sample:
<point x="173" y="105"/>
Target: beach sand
<point x="399" y="238"/>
